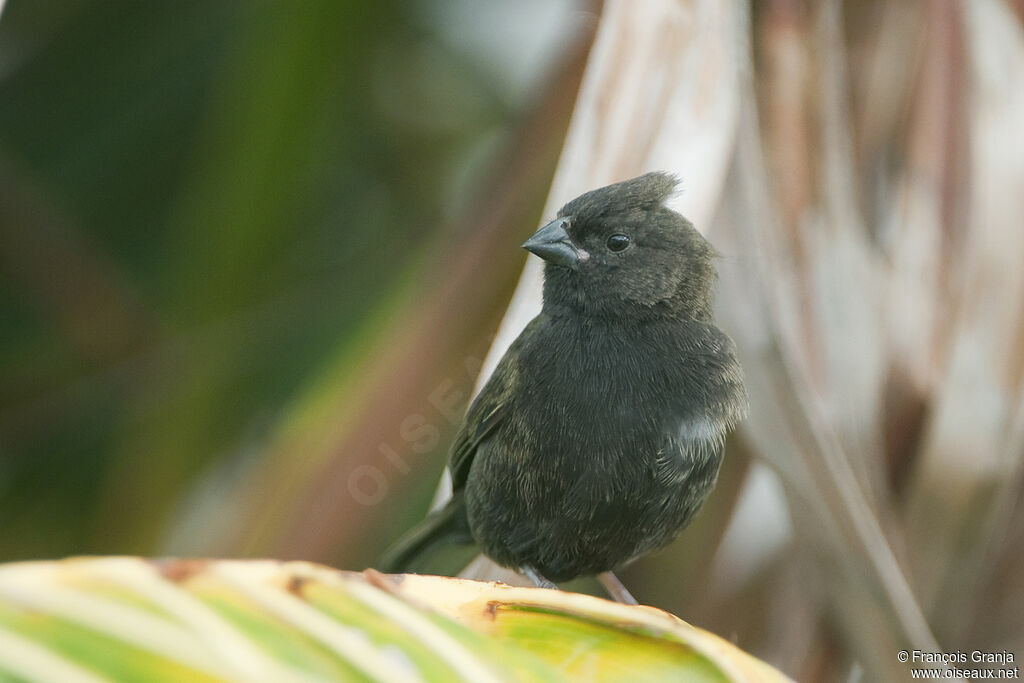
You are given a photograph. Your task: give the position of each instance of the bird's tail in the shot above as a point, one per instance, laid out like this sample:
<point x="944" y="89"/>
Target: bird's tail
<point x="444" y="527"/>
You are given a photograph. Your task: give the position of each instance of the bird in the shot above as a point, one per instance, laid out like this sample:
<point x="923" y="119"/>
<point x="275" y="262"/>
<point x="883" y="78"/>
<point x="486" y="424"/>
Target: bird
<point x="601" y="431"/>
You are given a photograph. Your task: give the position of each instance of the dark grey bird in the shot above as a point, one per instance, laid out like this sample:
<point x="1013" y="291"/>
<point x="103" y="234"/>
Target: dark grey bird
<point x="601" y="431"/>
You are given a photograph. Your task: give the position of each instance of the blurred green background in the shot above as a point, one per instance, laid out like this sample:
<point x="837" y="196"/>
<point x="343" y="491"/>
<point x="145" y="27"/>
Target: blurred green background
<point x="250" y="255"/>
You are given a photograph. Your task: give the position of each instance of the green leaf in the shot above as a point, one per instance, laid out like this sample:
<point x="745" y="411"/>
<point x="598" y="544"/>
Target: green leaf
<point x="121" y="618"/>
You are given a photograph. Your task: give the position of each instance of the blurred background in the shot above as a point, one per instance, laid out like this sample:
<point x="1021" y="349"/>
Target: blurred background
<point x="240" y="243"/>
<point x="253" y="256"/>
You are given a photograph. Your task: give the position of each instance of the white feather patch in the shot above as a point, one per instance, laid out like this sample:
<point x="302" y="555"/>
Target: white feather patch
<point x="702" y="428"/>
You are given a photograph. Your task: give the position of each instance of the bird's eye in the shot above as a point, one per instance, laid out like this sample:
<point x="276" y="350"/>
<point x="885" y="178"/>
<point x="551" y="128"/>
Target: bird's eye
<point x="618" y="242"/>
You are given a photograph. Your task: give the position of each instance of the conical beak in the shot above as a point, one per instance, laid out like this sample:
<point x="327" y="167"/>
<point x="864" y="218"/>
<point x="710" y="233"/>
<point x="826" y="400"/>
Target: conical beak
<point x="553" y="244"/>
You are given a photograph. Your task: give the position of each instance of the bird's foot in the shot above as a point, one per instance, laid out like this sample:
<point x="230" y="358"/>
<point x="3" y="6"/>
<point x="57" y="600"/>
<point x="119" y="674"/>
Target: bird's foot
<point x="616" y="590"/>
<point x="538" y="579"/>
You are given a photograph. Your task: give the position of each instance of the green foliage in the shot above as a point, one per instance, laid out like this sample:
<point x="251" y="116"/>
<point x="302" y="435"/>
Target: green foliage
<point x="89" y="619"/>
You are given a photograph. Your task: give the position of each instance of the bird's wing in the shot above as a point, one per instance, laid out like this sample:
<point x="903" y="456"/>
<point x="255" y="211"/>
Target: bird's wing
<point x="489" y="408"/>
<point x="474" y="430"/>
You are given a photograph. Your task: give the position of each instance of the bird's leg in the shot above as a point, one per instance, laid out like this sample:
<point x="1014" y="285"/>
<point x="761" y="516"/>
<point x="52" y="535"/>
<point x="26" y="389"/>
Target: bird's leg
<point x="615" y="589"/>
<point x="538" y="579"/>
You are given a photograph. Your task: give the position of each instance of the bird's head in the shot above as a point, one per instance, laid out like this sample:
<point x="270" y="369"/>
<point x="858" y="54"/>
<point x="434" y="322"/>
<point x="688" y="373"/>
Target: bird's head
<point x="618" y="251"/>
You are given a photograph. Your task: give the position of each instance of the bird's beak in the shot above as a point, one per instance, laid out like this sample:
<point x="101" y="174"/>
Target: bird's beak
<point x="553" y="244"/>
